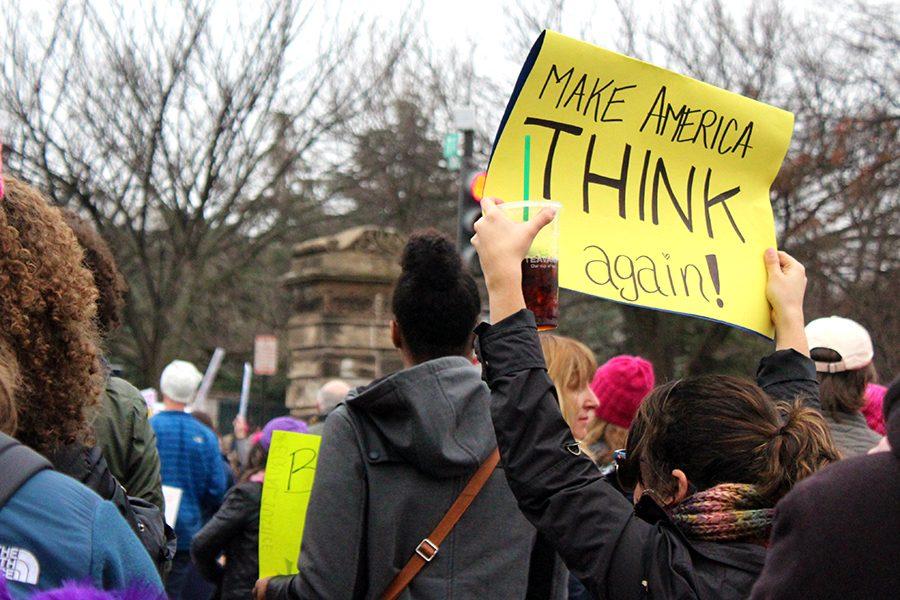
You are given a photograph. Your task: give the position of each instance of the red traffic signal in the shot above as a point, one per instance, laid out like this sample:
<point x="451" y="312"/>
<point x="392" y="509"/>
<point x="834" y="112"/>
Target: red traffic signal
<point x="476" y="185"/>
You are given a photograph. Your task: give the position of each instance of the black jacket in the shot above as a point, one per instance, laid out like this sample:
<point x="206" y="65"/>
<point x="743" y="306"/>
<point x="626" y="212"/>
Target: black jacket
<point x="595" y="529"/>
<point x="234" y="532"/>
<point x="837" y="534"/>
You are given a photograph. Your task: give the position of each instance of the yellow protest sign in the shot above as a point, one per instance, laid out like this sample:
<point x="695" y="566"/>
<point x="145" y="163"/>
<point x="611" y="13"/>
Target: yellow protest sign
<point x="664" y="180"/>
<point x="290" y="473"/>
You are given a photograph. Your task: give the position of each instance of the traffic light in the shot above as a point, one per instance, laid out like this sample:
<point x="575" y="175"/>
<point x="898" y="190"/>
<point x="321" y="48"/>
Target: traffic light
<point x="471" y="192"/>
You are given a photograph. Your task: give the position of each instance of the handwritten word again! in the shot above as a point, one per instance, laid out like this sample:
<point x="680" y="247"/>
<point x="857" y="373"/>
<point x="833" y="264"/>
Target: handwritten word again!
<point x="636" y="277"/>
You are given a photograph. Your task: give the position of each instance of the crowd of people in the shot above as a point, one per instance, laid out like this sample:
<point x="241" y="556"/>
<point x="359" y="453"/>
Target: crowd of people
<point x="499" y="462"/>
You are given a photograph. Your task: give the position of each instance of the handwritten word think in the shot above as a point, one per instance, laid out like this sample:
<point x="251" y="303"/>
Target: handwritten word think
<point x="621" y="183"/>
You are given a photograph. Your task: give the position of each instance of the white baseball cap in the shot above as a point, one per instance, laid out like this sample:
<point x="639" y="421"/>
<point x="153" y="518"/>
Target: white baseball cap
<point x="179" y="381"/>
<point x="846" y="337"/>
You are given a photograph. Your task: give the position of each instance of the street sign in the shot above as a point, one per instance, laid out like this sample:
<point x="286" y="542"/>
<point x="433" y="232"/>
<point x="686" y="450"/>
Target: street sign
<point x="451" y="145"/>
<point x="464" y="118"/>
<point x="451" y="151"/>
<point x="265" y="355"/>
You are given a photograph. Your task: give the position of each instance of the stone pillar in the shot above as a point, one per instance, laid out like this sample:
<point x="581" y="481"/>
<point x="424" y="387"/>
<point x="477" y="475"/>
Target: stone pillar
<point x="341" y="292"/>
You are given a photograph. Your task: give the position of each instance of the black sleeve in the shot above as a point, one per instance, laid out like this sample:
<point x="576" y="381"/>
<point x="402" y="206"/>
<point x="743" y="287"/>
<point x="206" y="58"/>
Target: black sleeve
<point x="560" y="492"/>
<point x="210" y="541"/>
<point x="788" y="375"/>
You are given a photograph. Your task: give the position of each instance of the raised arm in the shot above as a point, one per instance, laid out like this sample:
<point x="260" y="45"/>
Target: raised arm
<point x="788" y="373"/>
<point x="560" y="491"/>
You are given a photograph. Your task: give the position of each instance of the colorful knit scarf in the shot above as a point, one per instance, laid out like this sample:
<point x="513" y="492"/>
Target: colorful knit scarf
<point x="729" y="512"/>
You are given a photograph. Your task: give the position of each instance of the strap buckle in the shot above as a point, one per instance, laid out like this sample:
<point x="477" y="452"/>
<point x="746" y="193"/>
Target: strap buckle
<point x="427" y="549"/>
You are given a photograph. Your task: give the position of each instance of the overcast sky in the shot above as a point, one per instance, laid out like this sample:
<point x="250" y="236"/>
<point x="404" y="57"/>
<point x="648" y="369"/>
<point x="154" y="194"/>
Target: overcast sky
<point x="485" y="23"/>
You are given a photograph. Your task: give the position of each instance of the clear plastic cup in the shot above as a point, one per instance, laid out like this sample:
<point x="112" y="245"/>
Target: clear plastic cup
<point x="540" y="269"/>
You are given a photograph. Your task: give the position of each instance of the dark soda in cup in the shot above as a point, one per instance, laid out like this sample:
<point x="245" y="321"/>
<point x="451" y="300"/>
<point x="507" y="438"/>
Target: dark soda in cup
<point x="540" y="269"/>
<point x="540" y="286"/>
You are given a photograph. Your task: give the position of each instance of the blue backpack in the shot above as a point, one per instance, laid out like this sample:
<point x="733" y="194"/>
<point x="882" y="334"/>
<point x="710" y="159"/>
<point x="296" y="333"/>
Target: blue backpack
<point x="18" y="463"/>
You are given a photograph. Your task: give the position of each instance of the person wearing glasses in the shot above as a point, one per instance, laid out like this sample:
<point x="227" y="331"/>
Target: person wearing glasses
<point x="706" y="459"/>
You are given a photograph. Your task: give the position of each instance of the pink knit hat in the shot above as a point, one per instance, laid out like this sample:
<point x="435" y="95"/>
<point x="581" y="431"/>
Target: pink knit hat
<point x="873" y="408"/>
<point x="620" y="385"/>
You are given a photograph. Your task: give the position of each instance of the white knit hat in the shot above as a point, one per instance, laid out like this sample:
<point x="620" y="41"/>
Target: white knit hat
<point x="179" y="381"/>
<point x="846" y="337"/>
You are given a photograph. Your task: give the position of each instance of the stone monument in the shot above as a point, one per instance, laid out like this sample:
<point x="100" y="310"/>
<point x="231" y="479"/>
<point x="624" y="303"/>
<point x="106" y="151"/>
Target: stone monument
<point x="340" y="287"/>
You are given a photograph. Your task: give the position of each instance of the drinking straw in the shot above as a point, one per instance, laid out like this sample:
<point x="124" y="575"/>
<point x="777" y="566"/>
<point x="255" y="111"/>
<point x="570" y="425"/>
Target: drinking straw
<point x="527" y="176"/>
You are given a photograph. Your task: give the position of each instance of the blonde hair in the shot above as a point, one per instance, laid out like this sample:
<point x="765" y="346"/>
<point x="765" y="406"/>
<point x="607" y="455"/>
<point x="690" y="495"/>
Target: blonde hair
<point x="613" y="437"/>
<point x="571" y="366"/>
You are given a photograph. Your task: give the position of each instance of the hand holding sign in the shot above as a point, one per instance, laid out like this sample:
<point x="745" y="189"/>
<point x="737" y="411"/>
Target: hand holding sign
<point x="785" y="288"/>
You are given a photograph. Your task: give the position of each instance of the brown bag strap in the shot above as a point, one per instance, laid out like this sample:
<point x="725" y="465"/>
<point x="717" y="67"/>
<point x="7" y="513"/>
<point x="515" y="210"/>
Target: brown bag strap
<point x="428" y="548"/>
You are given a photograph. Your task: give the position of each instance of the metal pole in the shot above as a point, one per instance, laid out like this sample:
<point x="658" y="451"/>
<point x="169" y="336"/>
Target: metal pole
<point x="465" y="169"/>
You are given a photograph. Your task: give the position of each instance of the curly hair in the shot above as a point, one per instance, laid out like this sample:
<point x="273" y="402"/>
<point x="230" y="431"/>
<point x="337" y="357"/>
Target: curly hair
<point x="47" y="308"/>
<point x="100" y="261"/>
<point x="9" y="377"/>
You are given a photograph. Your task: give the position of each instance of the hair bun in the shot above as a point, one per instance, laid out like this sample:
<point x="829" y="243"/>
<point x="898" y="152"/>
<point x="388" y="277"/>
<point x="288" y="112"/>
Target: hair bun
<point x="430" y="258"/>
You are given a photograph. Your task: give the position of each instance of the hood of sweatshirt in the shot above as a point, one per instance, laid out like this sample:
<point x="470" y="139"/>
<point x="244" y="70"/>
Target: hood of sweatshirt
<point x="435" y="415"/>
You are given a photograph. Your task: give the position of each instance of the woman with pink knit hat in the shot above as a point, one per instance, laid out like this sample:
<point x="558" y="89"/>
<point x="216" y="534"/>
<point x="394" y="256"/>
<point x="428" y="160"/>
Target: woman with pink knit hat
<point x="620" y="385"/>
<point x="872" y="410"/>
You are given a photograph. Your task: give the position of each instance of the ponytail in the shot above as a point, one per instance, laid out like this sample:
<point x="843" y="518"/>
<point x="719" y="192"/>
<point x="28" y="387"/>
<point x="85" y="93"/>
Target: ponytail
<point x="798" y="448"/>
<point x="721" y="429"/>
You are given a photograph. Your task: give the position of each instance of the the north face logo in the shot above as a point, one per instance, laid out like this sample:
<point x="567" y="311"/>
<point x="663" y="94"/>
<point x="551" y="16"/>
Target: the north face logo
<point x="18" y="564"/>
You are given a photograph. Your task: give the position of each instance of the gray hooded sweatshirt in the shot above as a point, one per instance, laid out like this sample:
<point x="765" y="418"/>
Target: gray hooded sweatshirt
<point x="851" y="433"/>
<point x="393" y="459"/>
